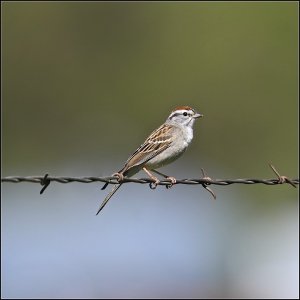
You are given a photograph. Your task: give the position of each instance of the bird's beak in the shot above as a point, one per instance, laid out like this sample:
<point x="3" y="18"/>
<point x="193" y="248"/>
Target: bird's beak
<point x="196" y="115"/>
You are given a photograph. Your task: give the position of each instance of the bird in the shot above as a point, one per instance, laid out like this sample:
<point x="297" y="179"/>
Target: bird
<point x="163" y="146"/>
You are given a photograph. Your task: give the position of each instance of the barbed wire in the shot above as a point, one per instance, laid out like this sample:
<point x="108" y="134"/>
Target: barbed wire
<point x="205" y="181"/>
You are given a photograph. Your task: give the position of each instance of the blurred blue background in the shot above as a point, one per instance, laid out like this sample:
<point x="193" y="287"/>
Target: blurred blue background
<point x="84" y="83"/>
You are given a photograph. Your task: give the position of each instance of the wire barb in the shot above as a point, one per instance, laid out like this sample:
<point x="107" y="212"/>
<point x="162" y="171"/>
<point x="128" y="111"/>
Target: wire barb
<point x="205" y="184"/>
<point x="282" y="179"/>
<point x="45" y="182"/>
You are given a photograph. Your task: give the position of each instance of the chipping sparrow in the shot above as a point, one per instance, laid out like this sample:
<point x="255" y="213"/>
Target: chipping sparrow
<point x="163" y="146"/>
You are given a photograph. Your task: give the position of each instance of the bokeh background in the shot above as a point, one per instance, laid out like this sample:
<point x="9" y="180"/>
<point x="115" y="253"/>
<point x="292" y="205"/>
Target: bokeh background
<point x="84" y="83"/>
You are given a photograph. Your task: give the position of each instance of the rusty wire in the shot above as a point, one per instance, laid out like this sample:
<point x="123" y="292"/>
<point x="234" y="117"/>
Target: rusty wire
<point x="205" y="181"/>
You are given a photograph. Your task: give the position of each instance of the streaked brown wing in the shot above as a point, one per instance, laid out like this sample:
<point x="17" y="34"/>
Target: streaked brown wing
<point x="158" y="141"/>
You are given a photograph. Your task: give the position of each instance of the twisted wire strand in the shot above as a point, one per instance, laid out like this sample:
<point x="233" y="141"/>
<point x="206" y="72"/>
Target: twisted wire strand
<point x="205" y="181"/>
<point x="113" y="180"/>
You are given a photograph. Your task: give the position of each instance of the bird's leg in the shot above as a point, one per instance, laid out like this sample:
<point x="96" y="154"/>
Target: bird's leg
<point x="172" y="179"/>
<point x="120" y="178"/>
<point x="156" y="181"/>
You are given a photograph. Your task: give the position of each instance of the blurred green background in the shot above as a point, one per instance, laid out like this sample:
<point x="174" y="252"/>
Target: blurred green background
<point x="83" y="83"/>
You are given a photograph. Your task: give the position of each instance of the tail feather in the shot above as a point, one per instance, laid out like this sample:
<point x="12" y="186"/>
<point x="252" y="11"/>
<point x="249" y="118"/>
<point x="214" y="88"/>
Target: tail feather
<point x="115" y="188"/>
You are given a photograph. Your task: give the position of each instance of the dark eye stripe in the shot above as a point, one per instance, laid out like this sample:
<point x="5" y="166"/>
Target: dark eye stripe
<point x="185" y="113"/>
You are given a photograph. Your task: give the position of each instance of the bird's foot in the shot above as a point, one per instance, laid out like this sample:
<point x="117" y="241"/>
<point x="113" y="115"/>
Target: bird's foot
<point x="172" y="181"/>
<point x="155" y="183"/>
<point x="119" y="175"/>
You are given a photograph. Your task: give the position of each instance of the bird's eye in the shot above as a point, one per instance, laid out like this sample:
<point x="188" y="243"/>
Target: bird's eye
<point x="185" y="114"/>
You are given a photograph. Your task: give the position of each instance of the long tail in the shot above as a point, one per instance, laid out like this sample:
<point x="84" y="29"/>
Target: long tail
<point x="115" y="188"/>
